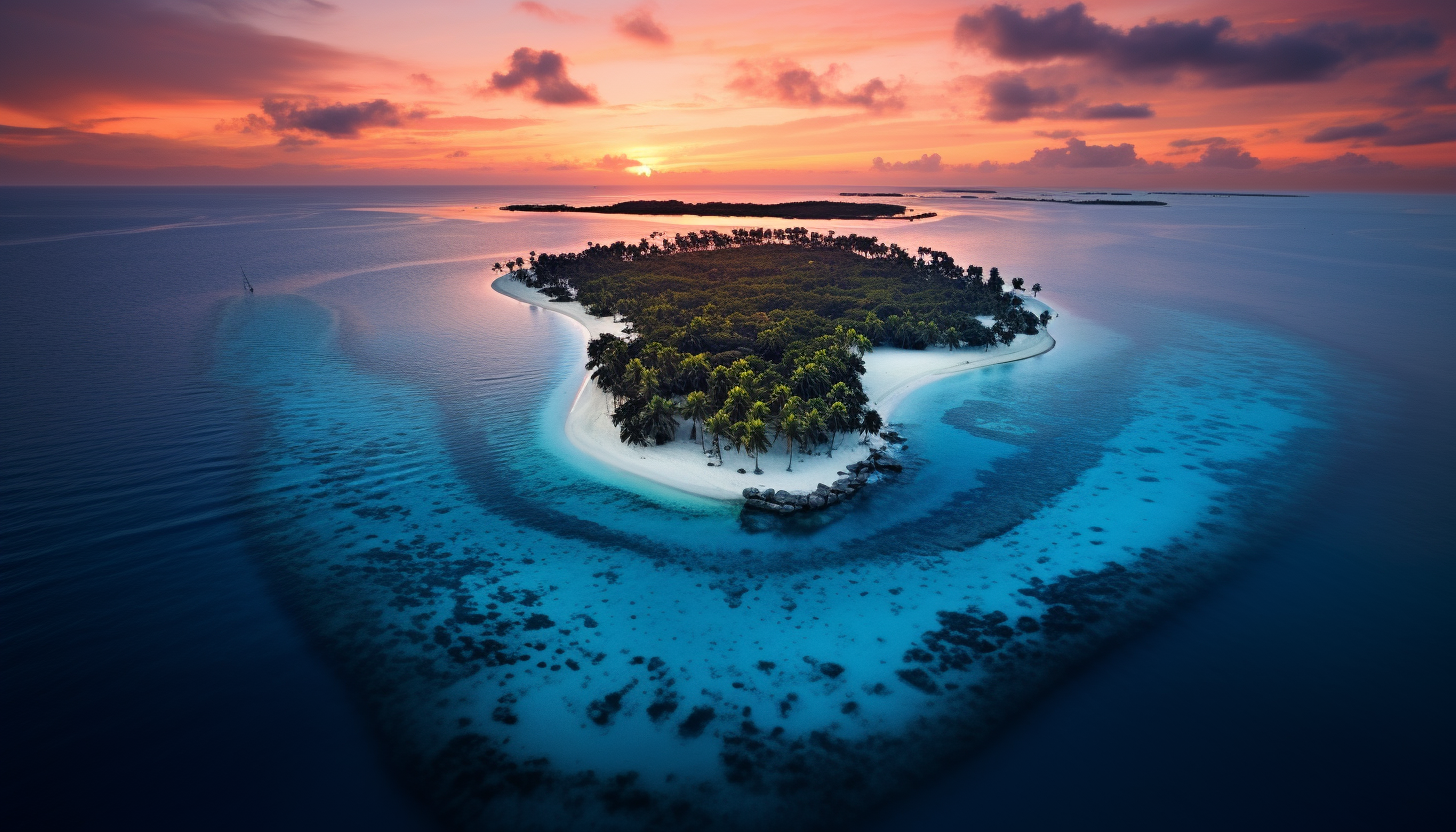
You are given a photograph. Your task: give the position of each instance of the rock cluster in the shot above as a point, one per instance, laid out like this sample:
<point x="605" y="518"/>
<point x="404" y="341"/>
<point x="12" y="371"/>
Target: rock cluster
<point x="856" y="475"/>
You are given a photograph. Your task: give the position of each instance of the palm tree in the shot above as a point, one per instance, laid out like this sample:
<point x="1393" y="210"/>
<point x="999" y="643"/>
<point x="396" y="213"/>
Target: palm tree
<point x="693" y="372"/>
<point x="697" y="408"/>
<point x="631" y="427"/>
<point x="737" y="404"/>
<point x="778" y="396"/>
<point x="1035" y="287"/>
<point x="718" y="426"/>
<point x="871" y="424"/>
<point x="810" y="380"/>
<point x="661" y="419"/>
<point x="607" y="359"/>
<point x="639" y="378"/>
<point x="754" y="438"/>
<point x="813" y="427"/>
<point x="838" y="421"/>
<point x="792" y="428"/>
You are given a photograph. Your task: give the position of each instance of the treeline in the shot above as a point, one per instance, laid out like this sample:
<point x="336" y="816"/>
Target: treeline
<point x="758" y="335"/>
<point x="811" y="210"/>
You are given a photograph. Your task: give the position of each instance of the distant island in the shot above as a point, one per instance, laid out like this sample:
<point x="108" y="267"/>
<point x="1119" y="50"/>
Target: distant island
<point x="759" y="338"/>
<point x="1083" y="201"/>
<point x="871" y="194"/>
<point x="1215" y="193"/>
<point x="812" y="210"/>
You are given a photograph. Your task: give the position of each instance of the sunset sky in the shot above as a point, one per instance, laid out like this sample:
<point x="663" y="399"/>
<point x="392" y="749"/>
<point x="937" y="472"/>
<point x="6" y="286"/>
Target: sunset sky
<point x="1136" y="93"/>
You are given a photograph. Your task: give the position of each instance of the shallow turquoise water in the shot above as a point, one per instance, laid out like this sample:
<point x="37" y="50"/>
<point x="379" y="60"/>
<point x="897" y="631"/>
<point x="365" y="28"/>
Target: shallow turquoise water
<point x="549" y="639"/>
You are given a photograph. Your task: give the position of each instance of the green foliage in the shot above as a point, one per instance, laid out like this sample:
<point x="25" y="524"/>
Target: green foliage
<point x="757" y="324"/>
<point x="812" y="210"/>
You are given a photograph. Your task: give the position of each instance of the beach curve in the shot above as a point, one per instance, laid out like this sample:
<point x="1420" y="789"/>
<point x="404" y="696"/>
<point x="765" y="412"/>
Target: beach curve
<point x="891" y="375"/>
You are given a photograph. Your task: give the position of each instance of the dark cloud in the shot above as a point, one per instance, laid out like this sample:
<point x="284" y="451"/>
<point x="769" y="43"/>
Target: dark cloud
<point x="791" y="84"/>
<point x="57" y="56"/>
<point x="1157" y="50"/>
<point x="1368" y="130"/>
<point x="1228" y="156"/>
<point x="617" y="162"/>
<point x="544" y="75"/>
<point x="458" y="154"/>
<point x="1079" y="154"/>
<point x="1008" y="96"/>
<point x="1057" y="134"/>
<point x="927" y="163"/>
<point x="1112" y="111"/>
<point x="638" y="24"/>
<point x="1432" y="130"/>
<point x="1436" y="129"/>
<point x="1431" y="88"/>
<point x="1218" y="152"/>
<point x="337" y="121"/>
<point x="1007" y="33"/>
<point x="545" y="12"/>
<point x="293" y="142"/>
<point x="424" y="82"/>
<point x="1011" y="96"/>
<point x="1212" y="140"/>
<point x="1347" y="163"/>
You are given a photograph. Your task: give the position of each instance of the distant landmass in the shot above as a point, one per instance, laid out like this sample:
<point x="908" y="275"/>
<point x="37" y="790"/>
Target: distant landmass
<point x="1084" y="201"/>
<point x="813" y="210"/>
<point x="871" y="194"/>
<point x="1214" y="193"/>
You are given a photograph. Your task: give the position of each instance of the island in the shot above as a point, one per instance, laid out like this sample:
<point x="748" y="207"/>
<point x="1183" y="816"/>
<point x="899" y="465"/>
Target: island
<point x="848" y="194"/>
<point x="811" y="210"/>
<point x="1082" y="201"/>
<point x="711" y="353"/>
<point x="1220" y="193"/>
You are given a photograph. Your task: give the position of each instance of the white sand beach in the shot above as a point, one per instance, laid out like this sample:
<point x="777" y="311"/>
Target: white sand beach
<point x="890" y="375"/>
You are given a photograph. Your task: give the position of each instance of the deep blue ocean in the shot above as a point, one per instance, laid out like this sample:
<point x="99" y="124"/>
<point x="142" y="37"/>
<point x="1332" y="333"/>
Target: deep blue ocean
<point x="316" y="557"/>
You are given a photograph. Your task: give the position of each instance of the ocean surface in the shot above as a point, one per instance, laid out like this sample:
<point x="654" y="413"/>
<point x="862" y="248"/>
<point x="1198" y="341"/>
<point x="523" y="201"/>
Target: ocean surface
<point x="319" y="557"/>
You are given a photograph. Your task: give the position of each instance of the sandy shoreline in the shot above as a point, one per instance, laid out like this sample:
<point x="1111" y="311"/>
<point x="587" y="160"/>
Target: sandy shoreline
<point x="891" y="374"/>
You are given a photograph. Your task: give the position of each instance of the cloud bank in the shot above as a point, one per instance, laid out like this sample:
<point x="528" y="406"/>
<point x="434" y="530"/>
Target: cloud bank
<point x="1010" y="96"/>
<point x="1209" y="52"/>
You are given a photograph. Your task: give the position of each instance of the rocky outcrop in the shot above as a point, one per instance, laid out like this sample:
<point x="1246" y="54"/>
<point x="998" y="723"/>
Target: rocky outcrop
<point x="855" y="476"/>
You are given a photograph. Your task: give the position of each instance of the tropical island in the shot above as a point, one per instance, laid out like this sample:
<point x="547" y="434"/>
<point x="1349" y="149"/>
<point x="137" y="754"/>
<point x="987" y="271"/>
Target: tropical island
<point x="1082" y="201"/>
<point x="821" y="209"/>
<point x="708" y="351"/>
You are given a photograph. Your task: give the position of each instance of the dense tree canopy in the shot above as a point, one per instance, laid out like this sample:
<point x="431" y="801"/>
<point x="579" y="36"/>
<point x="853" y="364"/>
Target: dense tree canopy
<point x="820" y="209"/>
<point x="765" y="329"/>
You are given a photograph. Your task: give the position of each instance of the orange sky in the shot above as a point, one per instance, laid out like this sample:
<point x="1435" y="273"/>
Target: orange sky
<point x="1311" y="94"/>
